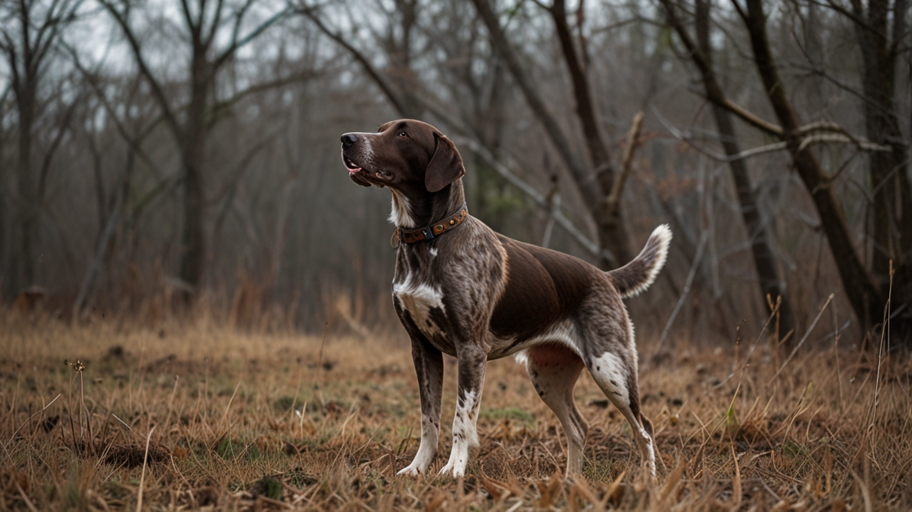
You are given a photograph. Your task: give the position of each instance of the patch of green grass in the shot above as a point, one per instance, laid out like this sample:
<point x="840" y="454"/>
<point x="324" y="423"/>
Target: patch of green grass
<point x="793" y="449"/>
<point x="267" y="486"/>
<point x="230" y="449"/>
<point x="283" y="403"/>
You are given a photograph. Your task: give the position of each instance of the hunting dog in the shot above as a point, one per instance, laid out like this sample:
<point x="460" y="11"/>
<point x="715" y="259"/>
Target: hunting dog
<point x="464" y="290"/>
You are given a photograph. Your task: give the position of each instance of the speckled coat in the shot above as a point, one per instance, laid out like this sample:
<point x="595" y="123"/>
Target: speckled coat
<point x="478" y="295"/>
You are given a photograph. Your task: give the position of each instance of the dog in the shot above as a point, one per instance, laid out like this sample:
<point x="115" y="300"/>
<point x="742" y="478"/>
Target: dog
<point x="464" y="290"/>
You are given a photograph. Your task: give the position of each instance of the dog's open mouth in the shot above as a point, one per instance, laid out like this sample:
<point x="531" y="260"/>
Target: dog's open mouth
<point x="357" y="173"/>
<point x="365" y="177"/>
<point x="352" y="167"/>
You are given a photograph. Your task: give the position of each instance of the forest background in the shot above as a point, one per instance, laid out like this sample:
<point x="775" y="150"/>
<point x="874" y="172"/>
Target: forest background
<point x="163" y="156"/>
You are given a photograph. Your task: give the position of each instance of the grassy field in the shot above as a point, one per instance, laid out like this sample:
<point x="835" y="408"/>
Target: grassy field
<point x="194" y="415"/>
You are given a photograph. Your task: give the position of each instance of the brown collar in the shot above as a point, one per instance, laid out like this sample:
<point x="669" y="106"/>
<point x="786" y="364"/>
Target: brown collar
<point x="411" y="236"/>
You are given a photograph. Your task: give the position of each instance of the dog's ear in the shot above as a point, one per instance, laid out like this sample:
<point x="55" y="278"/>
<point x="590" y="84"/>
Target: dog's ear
<point x="445" y="166"/>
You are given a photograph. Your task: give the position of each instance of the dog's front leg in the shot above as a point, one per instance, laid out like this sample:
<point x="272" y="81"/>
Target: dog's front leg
<point x="429" y="367"/>
<point x="472" y="361"/>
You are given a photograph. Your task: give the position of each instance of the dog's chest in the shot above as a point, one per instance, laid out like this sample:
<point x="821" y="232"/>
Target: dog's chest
<point x="424" y="304"/>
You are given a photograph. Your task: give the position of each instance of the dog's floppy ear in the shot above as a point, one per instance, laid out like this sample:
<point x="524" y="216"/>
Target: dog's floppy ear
<point x="445" y="166"/>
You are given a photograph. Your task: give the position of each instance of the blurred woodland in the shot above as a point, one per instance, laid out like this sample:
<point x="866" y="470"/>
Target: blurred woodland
<point x="167" y="155"/>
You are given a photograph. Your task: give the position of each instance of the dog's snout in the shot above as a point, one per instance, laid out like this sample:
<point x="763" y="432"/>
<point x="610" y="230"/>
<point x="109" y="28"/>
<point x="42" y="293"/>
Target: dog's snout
<point x="348" y="139"/>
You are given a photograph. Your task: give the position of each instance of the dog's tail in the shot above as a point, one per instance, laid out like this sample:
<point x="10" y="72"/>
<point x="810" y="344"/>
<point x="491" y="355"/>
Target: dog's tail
<point x="636" y="276"/>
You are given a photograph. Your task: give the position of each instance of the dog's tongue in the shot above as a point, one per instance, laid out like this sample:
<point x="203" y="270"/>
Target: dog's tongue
<point x="353" y="170"/>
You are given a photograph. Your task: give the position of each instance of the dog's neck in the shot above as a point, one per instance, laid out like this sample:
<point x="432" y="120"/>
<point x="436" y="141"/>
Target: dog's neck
<point x="417" y="210"/>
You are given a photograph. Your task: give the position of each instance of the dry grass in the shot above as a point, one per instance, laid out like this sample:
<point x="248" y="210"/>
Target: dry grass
<point x="201" y="416"/>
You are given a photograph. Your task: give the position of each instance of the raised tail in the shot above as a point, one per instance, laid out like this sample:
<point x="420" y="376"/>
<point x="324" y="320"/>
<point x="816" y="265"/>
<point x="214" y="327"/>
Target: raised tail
<point x="636" y="276"/>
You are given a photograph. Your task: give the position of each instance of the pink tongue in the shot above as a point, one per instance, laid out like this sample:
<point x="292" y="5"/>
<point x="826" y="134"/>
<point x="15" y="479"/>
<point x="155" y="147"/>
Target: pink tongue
<point x="354" y="170"/>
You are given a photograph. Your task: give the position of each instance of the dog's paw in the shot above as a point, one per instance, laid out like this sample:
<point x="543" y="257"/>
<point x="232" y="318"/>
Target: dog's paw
<point x="411" y="470"/>
<point x="456" y="470"/>
<point x="420" y="463"/>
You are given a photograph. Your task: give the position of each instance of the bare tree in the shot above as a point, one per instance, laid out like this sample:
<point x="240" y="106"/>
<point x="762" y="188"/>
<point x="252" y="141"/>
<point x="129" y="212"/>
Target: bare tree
<point x="866" y="296"/>
<point x="30" y="31"/>
<point x="205" y="27"/>
<point x="608" y="214"/>
<point x="700" y="53"/>
<point x="595" y="187"/>
<point x="881" y="28"/>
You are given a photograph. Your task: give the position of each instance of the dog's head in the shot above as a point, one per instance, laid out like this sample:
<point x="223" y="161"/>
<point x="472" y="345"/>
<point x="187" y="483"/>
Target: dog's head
<point x="406" y="155"/>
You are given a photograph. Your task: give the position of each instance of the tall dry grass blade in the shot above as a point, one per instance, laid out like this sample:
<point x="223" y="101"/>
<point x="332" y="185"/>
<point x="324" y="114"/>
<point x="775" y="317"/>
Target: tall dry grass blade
<point x="736" y="481"/>
<point x="516" y="506"/>
<point x="880" y="351"/>
<point x="460" y="488"/>
<point x="24" y="423"/>
<point x="750" y="352"/>
<point x="836" y="359"/>
<point x="582" y="487"/>
<point x="549" y="491"/>
<point x="436" y="502"/>
<point x="142" y="476"/>
<point x="294" y="401"/>
<point x="124" y="423"/>
<point x="865" y="492"/>
<point x="230" y="400"/>
<point x="803" y="339"/>
<point x="673" y="480"/>
<point x="171" y="400"/>
<point x="25" y="498"/>
<point x="318" y="377"/>
<point x="613" y="489"/>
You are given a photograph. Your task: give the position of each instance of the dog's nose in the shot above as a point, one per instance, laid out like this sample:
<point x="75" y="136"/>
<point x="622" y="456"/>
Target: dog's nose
<point x="348" y="139"/>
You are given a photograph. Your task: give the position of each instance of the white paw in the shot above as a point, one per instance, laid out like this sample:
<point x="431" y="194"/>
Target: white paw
<point x="411" y="470"/>
<point x="455" y="472"/>
<point x="419" y="464"/>
<point x="422" y="460"/>
<point x="455" y="467"/>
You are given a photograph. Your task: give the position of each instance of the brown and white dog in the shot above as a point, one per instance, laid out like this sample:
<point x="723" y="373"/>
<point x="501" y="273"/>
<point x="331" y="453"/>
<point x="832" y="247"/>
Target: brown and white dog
<point x="464" y="290"/>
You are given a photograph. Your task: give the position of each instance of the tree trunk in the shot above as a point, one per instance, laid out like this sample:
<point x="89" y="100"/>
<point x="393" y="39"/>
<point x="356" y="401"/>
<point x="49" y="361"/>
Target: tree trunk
<point x="194" y="147"/>
<point x="865" y="298"/>
<point x="589" y="186"/>
<point x="891" y="191"/>
<point x="700" y="52"/>
<point x="24" y="263"/>
<point x="608" y="215"/>
<point x="764" y="261"/>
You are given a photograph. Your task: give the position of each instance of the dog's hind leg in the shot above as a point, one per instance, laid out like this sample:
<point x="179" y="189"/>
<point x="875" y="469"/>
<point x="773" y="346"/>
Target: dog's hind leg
<point x="617" y="378"/>
<point x="429" y="367"/>
<point x="554" y="370"/>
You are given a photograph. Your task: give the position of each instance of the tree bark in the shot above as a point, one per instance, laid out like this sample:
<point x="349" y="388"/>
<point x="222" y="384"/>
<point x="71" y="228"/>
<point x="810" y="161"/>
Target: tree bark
<point x="25" y="99"/>
<point x="194" y="152"/>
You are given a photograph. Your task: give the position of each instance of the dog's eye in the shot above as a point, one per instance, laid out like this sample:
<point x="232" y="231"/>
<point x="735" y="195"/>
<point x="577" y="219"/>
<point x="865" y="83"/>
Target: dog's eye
<point x="402" y="134"/>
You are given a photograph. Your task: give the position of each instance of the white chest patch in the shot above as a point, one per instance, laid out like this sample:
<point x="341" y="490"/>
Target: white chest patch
<point x="419" y="299"/>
